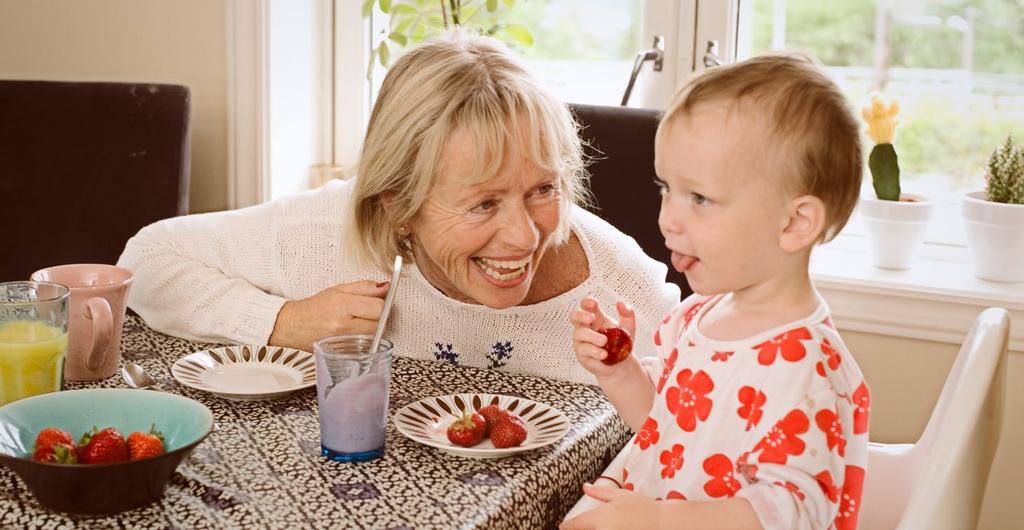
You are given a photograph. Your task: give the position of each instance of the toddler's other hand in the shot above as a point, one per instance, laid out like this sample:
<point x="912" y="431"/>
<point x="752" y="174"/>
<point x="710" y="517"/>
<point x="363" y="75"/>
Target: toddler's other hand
<point x="588" y="343"/>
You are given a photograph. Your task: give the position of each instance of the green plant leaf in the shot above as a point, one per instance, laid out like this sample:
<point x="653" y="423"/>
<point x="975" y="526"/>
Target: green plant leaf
<point x="519" y="34"/>
<point x="510" y="3"/>
<point x="885" y="172"/>
<point x="385" y="54"/>
<point x="405" y="24"/>
<point x="367" y="8"/>
<point x="402" y="10"/>
<point x="385" y="6"/>
<point x="492" y="5"/>
<point x="398" y="38"/>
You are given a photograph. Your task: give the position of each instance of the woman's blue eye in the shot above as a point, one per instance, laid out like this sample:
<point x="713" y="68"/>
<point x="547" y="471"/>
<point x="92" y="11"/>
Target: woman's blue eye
<point x="699" y="199"/>
<point x="487" y="205"/>
<point x="546" y="189"/>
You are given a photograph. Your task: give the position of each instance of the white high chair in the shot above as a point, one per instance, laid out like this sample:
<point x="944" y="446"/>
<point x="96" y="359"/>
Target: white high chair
<point x="939" y="481"/>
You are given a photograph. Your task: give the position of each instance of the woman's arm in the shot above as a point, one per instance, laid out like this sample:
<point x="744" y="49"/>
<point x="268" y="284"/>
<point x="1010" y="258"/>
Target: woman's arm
<point x="223" y="277"/>
<point x="208" y="277"/>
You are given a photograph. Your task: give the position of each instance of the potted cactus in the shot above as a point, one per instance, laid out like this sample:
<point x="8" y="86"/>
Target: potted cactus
<point x="995" y="217"/>
<point x="894" y="221"/>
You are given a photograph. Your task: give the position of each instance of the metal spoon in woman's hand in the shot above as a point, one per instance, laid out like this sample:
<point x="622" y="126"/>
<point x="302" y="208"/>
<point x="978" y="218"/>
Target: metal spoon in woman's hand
<point x="136" y="377"/>
<point x="388" y="300"/>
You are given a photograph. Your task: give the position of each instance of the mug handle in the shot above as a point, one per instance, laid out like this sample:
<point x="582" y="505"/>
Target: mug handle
<point x="98" y="310"/>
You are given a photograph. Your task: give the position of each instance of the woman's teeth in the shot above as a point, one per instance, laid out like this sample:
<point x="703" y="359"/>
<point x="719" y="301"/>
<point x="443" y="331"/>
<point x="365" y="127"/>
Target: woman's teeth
<point x="503" y="270"/>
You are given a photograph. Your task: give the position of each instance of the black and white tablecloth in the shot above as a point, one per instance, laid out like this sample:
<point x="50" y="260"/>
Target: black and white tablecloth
<point x="261" y="467"/>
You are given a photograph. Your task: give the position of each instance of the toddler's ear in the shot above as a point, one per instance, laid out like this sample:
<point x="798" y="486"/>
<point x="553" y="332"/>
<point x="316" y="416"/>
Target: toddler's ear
<point x="805" y="223"/>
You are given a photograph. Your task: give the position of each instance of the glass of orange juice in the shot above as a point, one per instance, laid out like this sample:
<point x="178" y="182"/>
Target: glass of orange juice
<point x="33" y="338"/>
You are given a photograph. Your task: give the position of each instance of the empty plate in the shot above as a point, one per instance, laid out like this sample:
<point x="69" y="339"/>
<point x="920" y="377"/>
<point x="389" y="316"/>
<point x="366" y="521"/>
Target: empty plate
<point x="247" y="373"/>
<point x="426" y="421"/>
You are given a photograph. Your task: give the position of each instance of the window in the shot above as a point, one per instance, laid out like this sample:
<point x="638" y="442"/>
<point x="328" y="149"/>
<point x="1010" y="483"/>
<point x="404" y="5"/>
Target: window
<point x="582" y="49"/>
<point x="956" y="67"/>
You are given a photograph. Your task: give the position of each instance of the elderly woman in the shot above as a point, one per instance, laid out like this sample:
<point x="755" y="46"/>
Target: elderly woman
<point x="474" y="174"/>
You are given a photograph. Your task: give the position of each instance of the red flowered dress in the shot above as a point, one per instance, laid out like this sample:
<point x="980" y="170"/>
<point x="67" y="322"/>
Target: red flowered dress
<point x="780" y="419"/>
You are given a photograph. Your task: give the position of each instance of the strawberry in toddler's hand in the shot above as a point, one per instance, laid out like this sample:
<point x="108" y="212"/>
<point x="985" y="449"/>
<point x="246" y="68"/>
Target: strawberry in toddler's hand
<point x="145" y="444"/>
<point x="619" y="345"/>
<point x="468" y="430"/>
<point x="508" y="431"/>
<point x="102" y="447"/>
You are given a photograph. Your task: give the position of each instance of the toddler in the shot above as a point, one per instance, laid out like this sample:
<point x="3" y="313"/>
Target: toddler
<point x="754" y="414"/>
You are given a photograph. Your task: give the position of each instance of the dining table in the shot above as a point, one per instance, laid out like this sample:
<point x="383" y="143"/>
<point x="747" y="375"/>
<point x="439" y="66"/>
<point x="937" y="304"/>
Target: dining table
<point x="261" y="466"/>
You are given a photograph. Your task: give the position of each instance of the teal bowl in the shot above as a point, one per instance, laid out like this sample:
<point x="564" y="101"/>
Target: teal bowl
<point x="100" y="489"/>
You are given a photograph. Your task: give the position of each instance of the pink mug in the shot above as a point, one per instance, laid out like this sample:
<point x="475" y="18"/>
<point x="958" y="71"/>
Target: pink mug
<point x="96" y="313"/>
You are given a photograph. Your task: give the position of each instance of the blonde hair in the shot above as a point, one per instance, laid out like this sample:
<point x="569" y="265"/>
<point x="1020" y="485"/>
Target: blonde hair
<point x="458" y="79"/>
<point x="807" y="115"/>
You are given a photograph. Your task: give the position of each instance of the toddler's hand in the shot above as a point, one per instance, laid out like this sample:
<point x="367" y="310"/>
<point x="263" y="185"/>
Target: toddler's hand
<point x="588" y="343"/>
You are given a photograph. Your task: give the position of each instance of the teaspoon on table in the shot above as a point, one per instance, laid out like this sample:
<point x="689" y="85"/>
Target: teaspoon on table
<point x="136" y="377"/>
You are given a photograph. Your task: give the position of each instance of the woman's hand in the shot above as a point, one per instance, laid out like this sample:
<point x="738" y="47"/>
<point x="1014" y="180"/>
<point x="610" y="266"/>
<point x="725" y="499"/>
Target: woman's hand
<point x="344" y="308"/>
<point x="588" y="343"/>
<point x="621" y="509"/>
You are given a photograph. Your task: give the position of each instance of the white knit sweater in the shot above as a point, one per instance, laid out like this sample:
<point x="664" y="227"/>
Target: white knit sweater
<point x="223" y="277"/>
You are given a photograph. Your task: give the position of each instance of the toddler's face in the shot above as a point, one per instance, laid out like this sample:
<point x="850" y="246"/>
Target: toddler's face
<point x="722" y="208"/>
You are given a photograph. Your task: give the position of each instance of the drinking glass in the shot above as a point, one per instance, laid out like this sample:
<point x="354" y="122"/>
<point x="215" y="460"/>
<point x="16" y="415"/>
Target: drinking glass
<point x="33" y="338"/>
<point x="352" y="394"/>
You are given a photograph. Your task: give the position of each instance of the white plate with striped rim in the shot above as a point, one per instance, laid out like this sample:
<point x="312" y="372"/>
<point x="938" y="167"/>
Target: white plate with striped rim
<point x="247" y="373"/>
<point x="426" y="421"/>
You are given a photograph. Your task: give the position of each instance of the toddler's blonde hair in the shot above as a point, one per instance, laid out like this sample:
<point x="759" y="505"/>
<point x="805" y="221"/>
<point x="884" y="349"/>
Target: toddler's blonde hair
<point x="817" y="133"/>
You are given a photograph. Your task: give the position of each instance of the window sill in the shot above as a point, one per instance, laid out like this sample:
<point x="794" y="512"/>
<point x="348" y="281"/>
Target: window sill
<point x="937" y="299"/>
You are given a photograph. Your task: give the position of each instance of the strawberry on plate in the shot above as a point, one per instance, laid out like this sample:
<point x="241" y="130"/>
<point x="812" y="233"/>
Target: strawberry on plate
<point x="145" y="444"/>
<point x="468" y="430"/>
<point x="102" y="447"/>
<point x="491" y="413"/>
<point x="619" y="345"/>
<point x="508" y="431"/>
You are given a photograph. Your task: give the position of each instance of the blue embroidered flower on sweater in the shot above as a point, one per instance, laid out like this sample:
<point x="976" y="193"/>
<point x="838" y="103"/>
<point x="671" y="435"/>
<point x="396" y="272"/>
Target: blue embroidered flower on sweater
<point x="444" y="353"/>
<point x="499" y="355"/>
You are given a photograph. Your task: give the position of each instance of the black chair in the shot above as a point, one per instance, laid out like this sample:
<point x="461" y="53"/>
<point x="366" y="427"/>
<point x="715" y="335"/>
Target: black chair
<point x="84" y="166"/>
<point x="620" y="141"/>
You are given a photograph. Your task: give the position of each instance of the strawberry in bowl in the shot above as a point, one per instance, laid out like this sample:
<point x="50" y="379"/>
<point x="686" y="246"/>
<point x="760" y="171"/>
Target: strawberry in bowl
<point x="102" y="479"/>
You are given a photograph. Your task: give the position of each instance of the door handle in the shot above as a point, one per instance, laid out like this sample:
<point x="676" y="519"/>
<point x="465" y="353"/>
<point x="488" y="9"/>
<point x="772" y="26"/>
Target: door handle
<point x="656" y="54"/>
<point x="711" y="57"/>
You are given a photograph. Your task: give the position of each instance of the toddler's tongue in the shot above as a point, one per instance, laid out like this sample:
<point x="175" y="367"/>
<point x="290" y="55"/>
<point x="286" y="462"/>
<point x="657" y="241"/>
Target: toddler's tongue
<point x="682" y="262"/>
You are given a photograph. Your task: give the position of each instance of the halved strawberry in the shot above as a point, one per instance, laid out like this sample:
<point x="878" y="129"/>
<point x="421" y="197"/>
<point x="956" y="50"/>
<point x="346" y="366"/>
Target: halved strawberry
<point x="145" y="444"/>
<point x="468" y="430"/>
<point x="619" y="345"/>
<point x="508" y="431"/>
<point x="102" y="447"/>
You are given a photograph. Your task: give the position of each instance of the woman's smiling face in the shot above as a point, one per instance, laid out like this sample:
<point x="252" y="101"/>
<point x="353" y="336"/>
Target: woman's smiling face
<point x="481" y="242"/>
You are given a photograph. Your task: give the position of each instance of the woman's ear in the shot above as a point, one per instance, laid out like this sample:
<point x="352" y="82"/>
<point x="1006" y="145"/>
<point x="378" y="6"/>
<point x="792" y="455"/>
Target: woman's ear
<point x="805" y="224"/>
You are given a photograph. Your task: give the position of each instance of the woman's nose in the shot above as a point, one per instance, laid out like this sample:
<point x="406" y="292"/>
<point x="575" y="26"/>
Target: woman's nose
<point x="520" y="229"/>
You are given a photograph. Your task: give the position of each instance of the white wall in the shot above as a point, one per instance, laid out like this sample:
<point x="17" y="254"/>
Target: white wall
<point x="163" y="41"/>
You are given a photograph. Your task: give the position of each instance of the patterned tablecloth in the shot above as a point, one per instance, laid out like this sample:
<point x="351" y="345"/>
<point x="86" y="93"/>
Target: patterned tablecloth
<point x="261" y="467"/>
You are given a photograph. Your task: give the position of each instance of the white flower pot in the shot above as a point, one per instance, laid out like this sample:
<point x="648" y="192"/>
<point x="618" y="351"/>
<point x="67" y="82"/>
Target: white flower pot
<point x="895" y="229"/>
<point x="995" y="235"/>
